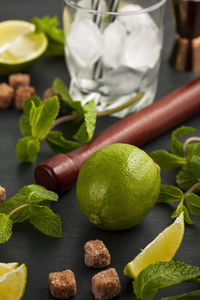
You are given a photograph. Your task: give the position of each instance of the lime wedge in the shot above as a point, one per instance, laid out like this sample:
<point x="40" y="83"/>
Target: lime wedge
<point x="162" y="248"/>
<point x="20" y="47"/>
<point x="5" y="268"/>
<point x="12" y="284"/>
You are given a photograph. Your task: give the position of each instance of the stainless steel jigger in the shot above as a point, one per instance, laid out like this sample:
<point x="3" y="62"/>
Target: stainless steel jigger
<point x="185" y="54"/>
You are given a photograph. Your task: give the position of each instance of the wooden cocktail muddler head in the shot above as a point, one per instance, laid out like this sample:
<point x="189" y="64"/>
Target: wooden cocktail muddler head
<point x="61" y="171"/>
<point x="185" y="54"/>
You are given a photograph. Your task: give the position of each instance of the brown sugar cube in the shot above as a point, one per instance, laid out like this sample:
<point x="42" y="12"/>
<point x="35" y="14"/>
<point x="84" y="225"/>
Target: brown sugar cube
<point x="7" y="95"/>
<point x="2" y="195"/>
<point x="22" y="93"/>
<point x="19" y="79"/>
<point x="96" y="254"/>
<point x="106" y="284"/>
<point x="62" y="284"/>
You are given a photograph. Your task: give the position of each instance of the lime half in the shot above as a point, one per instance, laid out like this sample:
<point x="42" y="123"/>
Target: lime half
<point x="20" y="47"/>
<point x="12" y="284"/>
<point x="162" y="248"/>
<point x="5" y="268"/>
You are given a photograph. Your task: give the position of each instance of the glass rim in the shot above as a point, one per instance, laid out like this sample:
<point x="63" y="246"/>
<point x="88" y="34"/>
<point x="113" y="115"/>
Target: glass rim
<point x="151" y="8"/>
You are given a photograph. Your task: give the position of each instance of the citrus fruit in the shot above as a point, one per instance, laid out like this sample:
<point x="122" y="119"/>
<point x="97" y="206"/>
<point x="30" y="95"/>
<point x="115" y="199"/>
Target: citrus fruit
<point x="162" y="248"/>
<point x="4" y="268"/>
<point x="12" y="284"/>
<point x="20" y="47"/>
<point x="117" y="186"/>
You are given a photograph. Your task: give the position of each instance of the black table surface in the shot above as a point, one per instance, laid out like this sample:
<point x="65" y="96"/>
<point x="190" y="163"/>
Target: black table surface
<point x="43" y="254"/>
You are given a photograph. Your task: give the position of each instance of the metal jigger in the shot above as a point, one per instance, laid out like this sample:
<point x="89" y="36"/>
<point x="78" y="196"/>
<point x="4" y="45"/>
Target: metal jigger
<point x="185" y="54"/>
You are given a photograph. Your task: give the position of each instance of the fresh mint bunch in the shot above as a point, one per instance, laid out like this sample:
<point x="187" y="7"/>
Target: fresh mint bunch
<point x="49" y="26"/>
<point x="35" y="123"/>
<point x="39" y="118"/>
<point x="186" y="158"/>
<point x="32" y="203"/>
<point x="164" y="274"/>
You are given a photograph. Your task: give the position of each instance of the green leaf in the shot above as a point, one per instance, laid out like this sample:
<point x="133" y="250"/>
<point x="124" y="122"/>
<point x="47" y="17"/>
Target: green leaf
<point x="170" y="193"/>
<point x="193" y="203"/>
<point x="42" y="117"/>
<point x="55" y="35"/>
<point x="189" y="174"/>
<point x="85" y="132"/>
<point x="60" y="88"/>
<point x="24" y="121"/>
<point x="28" y="194"/>
<point x="161" y="275"/>
<point x="176" y="147"/>
<point x="178" y="210"/>
<point x="193" y="149"/>
<point x="167" y="161"/>
<point x="35" y="194"/>
<point x="189" y="296"/>
<point x="187" y="218"/>
<point x="27" y="149"/>
<point x="45" y="220"/>
<point x="59" y="144"/>
<point x="5" y="228"/>
<point x="54" y="48"/>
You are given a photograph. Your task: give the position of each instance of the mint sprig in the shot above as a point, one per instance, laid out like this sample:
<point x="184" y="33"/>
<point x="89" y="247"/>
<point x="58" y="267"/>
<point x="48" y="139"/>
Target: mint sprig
<point x="188" y="296"/>
<point x="160" y="275"/>
<point x="55" y="35"/>
<point x="31" y="202"/>
<point x="186" y="158"/>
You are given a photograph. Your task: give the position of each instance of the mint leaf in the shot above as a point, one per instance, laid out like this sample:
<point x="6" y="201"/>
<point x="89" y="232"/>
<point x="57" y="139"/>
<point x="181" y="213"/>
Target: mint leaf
<point x="189" y="296"/>
<point x="45" y="220"/>
<point x="193" y="149"/>
<point x="54" y="48"/>
<point x="28" y="194"/>
<point x="5" y="228"/>
<point x="27" y="149"/>
<point x="60" y="88"/>
<point x="170" y="193"/>
<point x="161" y="275"/>
<point x="59" y="144"/>
<point x="167" y="161"/>
<point x="85" y="132"/>
<point x="189" y="174"/>
<point x="181" y="208"/>
<point x="24" y="121"/>
<point x="193" y="203"/>
<point x="55" y="35"/>
<point x="43" y="116"/>
<point x="176" y="147"/>
<point x="34" y="193"/>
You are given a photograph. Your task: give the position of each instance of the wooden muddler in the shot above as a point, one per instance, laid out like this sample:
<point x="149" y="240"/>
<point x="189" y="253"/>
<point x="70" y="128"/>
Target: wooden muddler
<point x="60" y="172"/>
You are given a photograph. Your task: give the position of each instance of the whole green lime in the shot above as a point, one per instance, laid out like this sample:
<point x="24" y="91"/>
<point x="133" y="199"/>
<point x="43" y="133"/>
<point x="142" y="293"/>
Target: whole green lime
<point x="117" y="187"/>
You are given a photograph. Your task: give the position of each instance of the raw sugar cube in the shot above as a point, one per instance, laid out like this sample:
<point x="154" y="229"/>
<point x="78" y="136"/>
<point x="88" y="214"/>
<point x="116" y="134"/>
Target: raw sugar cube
<point x="106" y="284"/>
<point x="7" y="95"/>
<point x="62" y="284"/>
<point x="96" y="254"/>
<point x="23" y="93"/>
<point x="19" y="79"/>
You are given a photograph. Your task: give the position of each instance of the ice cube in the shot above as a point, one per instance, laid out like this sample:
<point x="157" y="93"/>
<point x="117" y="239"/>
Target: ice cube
<point x="114" y="37"/>
<point x="142" y="49"/>
<point x="85" y="42"/>
<point x="120" y="81"/>
<point x="132" y="22"/>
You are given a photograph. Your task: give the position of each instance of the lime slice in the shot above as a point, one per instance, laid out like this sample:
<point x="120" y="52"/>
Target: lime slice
<point x="5" y="268"/>
<point x="12" y="284"/>
<point x="162" y="248"/>
<point x="20" y="47"/>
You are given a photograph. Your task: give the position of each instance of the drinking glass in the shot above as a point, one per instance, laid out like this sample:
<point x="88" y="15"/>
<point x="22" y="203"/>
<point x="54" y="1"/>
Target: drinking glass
<point x="113" y="51"/>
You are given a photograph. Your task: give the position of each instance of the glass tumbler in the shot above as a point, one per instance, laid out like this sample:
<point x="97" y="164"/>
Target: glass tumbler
<point x="113" y="51"/>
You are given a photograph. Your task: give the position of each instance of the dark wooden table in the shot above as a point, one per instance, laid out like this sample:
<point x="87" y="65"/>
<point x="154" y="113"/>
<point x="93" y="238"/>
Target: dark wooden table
<point x="42" y="254"/>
